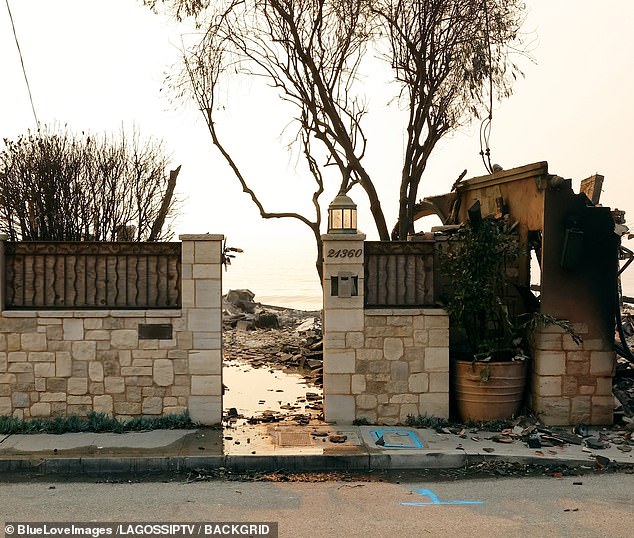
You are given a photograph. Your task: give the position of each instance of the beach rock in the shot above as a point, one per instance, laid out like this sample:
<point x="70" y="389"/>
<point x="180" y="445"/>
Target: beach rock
<point x="307" y="325"/>
<point x="244" y="325"/>
<point x="266" y="320"/>
<point x="243" y="299"/>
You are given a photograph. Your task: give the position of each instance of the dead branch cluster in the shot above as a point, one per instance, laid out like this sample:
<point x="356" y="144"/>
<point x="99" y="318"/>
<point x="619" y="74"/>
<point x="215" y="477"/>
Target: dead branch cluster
<point x="57" y="186"/>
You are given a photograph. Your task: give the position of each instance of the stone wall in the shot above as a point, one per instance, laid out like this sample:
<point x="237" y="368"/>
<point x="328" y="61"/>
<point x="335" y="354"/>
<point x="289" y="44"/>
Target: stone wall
<point x="60" y="363"/>
<point x="572" y="383"/>
<point x="379" y="364"/>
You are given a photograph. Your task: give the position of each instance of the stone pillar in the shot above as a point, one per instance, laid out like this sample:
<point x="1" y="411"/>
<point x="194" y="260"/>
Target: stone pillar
<point x="572" y="383"/>
<point x="343" y="290"/>
<point x="201" y="267"/>
<point x="3" y="238"/>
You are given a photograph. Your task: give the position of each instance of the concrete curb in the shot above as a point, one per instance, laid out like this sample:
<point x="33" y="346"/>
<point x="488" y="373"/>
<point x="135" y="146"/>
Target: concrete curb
<point x="142" y="465"/>
<point x="138" y="454"/>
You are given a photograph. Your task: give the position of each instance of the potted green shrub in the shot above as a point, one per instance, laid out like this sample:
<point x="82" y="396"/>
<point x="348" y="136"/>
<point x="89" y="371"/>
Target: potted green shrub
<point x="489" y="352"/>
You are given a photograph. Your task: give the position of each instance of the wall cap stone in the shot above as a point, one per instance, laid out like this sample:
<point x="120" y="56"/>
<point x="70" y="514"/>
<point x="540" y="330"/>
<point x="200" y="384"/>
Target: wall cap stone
<point x="344" y="237"/>
<point x="80" y="314"/>
<point x="378" y="311"/>
<point x="19" y="314"/>
<point x="201" y="237"/>
<point x="405" y="312"/>
<point x="176" y="313"/>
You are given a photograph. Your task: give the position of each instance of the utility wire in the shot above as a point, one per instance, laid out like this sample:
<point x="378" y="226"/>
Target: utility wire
<point x="485" y="126"/>
<point x="26" y="79"/>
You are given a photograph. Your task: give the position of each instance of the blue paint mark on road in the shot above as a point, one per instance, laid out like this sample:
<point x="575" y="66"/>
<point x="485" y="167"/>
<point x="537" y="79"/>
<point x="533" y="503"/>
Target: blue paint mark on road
<point x="435" y="500"/>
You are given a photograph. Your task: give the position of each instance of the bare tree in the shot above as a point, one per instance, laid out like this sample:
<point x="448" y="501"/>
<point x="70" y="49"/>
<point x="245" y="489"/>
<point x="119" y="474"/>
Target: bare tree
<point x="57" y="186"/>
<point x="449" y="58"/>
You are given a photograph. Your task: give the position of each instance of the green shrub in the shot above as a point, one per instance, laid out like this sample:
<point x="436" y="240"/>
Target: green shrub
<point x="95" y="422"/>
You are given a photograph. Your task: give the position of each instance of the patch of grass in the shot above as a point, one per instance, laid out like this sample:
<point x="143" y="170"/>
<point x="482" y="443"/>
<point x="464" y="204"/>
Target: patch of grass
<point x="425" y="421"/>
<point x="435" y="423"/>
<point x="95" y="422"/>
<point x="491" y="425"/>
<point x="360" y="422"/>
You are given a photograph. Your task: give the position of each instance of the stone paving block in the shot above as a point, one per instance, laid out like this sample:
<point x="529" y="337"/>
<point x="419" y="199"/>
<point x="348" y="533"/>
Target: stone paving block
<point x="152" y="406"/>
<point x="337" y="383"/>
<point x="408" y="410"/>
<point x="124" y="339"/>
<point x="552" y="410"/>
<point x="205" y="362"/>
<point x="339" y="362"/>
<point x="366" y="401"/>
<point x="84" y="351"/>
<point x="41" y="356"/>
<point x="437" y="359"/>
<point x="434" y="404"/>
<point x="602" y="363"/>
<point x="20" y="399"/>
<point x="103" y="404"/>
<point x="550" y="362"/>
<point x="399" y="371"/>
<point x="16" y="356"/>
<point x="580" y="410"/>
<point x="6" y="406"/>
<point x="206" y="385"/>
<point x="114" y="385"/>
<point x="44" y="369"/>
<point x="439" y="382"/>
<point x="340" y="408"/>
<point x="95" y="371"/>
<point x="41" y="409"/>
<point x="419" y="382"/>
<point x="205" y="409"/>
<point x="77" y="385"/>
<point x="358" y="385"/>
<point x="393" y="348"/>
<point x="438" y="338"/>
<point x="548" y="385"/>
<point x="73" y="329"/>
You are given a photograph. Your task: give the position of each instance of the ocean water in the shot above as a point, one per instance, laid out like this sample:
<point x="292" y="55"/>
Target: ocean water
<point x="277" y="277"/>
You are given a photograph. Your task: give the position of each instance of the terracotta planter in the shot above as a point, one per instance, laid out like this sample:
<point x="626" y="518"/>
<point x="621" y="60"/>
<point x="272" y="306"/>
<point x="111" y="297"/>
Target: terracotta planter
<point x="488" y="390"/>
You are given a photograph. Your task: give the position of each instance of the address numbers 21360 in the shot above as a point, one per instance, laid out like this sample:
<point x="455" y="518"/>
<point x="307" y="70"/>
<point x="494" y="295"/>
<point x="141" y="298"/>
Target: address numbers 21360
<point x="344" y="253"/>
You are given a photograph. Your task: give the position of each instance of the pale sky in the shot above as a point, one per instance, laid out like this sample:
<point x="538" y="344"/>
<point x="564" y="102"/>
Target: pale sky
<point x="97" y="65"/>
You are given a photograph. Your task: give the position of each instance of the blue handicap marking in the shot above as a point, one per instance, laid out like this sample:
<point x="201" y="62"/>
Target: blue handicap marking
<point x="435" y="500"/>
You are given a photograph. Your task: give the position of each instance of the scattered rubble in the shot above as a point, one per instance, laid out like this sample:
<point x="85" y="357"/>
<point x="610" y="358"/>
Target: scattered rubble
<point x="492" y="468"/>
<point x="623" y="382"/>
<point x="287" y="337"/>
<point x="264" y="336"/>
<point x="529" y="431"/>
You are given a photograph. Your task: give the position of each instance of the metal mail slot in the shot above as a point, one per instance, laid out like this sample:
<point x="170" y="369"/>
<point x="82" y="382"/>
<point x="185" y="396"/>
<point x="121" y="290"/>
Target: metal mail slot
<point x="345" y="284"/>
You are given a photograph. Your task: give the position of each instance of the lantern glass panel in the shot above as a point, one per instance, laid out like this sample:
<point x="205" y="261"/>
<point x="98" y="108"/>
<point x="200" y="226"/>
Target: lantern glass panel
<point x="347" y="219"/>
<point x="336" y="219"/>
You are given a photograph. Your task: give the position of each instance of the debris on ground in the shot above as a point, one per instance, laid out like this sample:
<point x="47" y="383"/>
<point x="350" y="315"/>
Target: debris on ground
<point x="491" y="468"/>
<point x="277" y="338"/>
<point x="623" y="381"/>
<point x="529" y="431"/>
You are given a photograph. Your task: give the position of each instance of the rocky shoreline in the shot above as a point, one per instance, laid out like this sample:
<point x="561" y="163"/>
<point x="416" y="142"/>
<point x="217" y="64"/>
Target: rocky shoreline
<point x="275" y="338"/>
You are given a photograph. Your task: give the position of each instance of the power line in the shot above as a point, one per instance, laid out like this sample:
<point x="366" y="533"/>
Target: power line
<point x="26" y="79"/>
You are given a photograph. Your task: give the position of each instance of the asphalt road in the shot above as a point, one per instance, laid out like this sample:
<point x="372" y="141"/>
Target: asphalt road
<point x="600" y="506"/>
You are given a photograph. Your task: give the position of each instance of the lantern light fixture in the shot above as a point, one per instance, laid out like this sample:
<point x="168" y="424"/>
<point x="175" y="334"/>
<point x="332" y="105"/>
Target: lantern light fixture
<point x="342" y="215"/>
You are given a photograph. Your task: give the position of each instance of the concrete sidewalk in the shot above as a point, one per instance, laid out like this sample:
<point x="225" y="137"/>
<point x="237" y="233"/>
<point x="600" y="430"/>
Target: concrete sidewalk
<point x="268" y="447"/>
